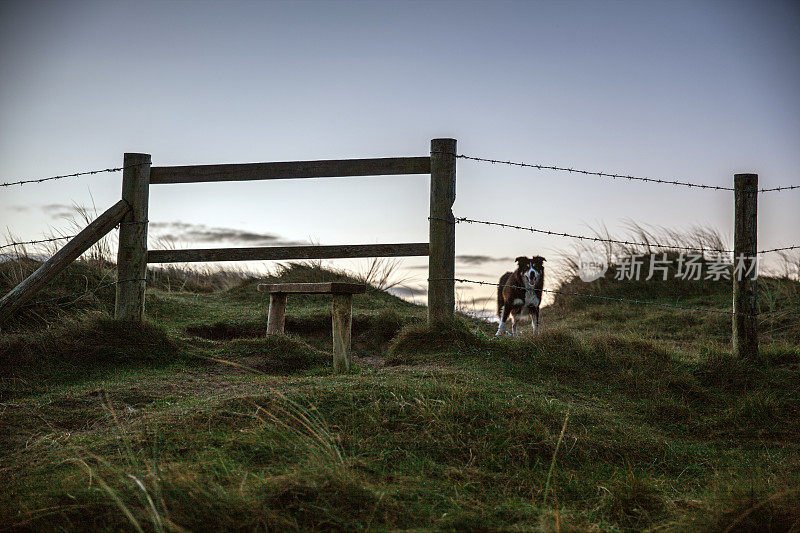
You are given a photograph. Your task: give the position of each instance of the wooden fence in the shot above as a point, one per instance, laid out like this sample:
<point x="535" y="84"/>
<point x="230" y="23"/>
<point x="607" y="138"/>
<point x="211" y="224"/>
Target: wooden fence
<point x="131" y="215"/>
<point x="133" y="256"/>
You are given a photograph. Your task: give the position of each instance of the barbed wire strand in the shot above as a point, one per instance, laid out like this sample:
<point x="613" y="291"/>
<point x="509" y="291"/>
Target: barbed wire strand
<point x="73" y="175"/>
<point x="785" y="248"/>
<point x="594" y="173"/>
<point x="612" y="175"/>
<point x="611" y="298"/>
<point x="78" y="296"/>
<point x="458" y="220"/>
<point x="786" y="188"/>
<point x="66" y="237"/>
<point x="22" y="243"/>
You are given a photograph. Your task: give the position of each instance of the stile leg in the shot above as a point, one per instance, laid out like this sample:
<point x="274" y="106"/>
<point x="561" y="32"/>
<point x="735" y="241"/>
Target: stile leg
<point x="277" y="313"/>
<point x="342" y="324"/>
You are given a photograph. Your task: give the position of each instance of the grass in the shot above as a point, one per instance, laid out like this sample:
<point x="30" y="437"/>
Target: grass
<point x="613" y="418"/>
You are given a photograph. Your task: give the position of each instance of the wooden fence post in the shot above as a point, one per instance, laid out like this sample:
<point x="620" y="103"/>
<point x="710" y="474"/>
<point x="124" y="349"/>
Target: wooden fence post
<point x="745" y="283"/>
<point x="132" y="251"/>
<point x="441" y="261"/>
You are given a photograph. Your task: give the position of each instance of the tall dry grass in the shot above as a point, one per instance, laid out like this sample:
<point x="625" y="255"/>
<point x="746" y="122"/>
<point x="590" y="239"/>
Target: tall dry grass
<point x="704" y="241"/>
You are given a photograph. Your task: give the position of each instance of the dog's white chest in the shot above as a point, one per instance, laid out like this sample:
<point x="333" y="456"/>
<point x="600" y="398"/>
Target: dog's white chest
<point x="531" y="300"/>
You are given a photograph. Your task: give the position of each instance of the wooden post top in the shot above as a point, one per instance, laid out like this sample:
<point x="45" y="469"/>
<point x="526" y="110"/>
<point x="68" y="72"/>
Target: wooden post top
<point x="331" y="287"/>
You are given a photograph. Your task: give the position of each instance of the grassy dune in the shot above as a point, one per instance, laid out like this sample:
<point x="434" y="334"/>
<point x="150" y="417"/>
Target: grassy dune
<point x="612" y="418"/>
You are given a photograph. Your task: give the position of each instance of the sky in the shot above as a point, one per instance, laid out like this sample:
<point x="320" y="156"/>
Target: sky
<point x="693" y="91"/>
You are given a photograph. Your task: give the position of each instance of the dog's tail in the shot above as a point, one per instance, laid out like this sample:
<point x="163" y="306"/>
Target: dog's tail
<point x="500" y="285"/>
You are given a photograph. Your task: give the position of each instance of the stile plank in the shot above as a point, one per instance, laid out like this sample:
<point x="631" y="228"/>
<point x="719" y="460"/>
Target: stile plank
<point x="331" y="287"/>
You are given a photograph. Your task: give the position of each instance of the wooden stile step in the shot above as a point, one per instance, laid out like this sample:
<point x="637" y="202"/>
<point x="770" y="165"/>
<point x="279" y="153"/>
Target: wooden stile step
<point x="341" y="311"/>
<point x="330" y="287"/>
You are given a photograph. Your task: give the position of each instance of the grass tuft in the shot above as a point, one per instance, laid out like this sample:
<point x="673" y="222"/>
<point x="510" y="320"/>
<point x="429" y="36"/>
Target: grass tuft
<point x="748" y="511"/>
<point x="441" y="337"/>
<point x="85" y="345"/>
<point x="281" y="354"/>
<point x="633" y="501"/>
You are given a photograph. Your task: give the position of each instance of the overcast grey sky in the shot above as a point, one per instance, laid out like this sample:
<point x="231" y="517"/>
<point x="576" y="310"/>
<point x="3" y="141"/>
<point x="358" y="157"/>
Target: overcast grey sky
<point x="684" y="90"/>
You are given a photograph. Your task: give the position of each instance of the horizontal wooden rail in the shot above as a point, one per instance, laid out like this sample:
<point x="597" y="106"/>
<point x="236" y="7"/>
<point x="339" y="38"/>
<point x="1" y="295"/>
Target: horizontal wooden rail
<point x="62" y="258"/>
<point x="291" y="170"/>
<point x="280" y="253"/>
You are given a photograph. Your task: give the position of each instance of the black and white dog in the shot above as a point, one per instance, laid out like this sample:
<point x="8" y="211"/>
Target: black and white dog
<point x="521" y="291"/>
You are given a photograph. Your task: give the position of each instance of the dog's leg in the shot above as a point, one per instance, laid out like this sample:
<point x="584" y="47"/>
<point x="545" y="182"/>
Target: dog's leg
<point x="534" y="319"/>
<point x="503" y="319"/>
<point x="514" y="324"/>
<point x="502" y="327"/>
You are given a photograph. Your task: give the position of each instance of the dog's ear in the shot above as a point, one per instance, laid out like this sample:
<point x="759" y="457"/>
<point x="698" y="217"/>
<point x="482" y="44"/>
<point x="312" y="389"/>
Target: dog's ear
<point x="522" y="260"/>
<point x="538" y="259"/>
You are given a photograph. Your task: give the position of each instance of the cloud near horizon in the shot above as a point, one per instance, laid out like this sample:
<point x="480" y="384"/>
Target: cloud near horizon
<point x="183" y="231"/>
<point x="406" y="291"/>
<point x="483" y="300"/>
<point x="469" y="260"/>
<point x="474" y="260"/>
<point x="62" y="210"/>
